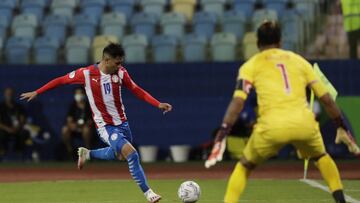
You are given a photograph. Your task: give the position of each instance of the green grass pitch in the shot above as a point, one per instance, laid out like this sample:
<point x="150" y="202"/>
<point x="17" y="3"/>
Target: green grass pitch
<point x="126" y="191"/>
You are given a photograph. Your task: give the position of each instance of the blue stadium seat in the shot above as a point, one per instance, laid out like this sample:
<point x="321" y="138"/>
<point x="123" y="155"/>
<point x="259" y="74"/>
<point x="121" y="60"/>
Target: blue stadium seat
<point x="277" y="5"/>
<point x="6" y="8"/>
<point x="85" y="25"/>
<point x="46" y="50"/>
<point x="263" y="14"/>
<point x="164" y="48"/>
<point x="77" y="49"/>
<point x="35" y="7"/>
<point x="246" y="7"/>
<point x="292" y="29"/>
<point x="123" y="6"/>
<point x="153" y="6"/>
<point x="135" y="46"/>
<point x="18" y="50"/>
<point x="234" y="22"/>
<point x="214" y="6"/>
<point x="173" y="24"/>
<point x="94" y="8"/>
<point x="144" y="23"/>
<point x="113" y="24"/>
<point x="194" y="48"/>
<point x="25" y="25"/>
<point x="64" y="7"/>
<point x="55" y="26"/>
<point x="223" y="47"/>
<point x="204" y="23"/>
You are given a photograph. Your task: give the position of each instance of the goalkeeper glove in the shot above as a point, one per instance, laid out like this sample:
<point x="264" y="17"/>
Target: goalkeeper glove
<point x="343" y="135"/>
<point x="219" y="146"/>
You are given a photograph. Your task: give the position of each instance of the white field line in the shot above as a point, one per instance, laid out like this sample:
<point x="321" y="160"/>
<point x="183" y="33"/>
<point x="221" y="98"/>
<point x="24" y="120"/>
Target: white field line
<point x="315" y="184"/>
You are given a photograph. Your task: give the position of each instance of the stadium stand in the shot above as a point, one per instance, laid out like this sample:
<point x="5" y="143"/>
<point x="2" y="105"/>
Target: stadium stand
<point x="123" y="6"/>
<point x="186" y="7"/>
<point x="46" y="50"/>
<point x="164" y="48"/>
<point x="60" y="19"/>
<point x="25" y="25"/>
<point x="194" y="48"/>
<point x="55" y="26"/>
<point x="17" y="50"/>
<point x="113" y="24"/>
<point x="173" y="24"/>
<point x="77" y="49"/>
<point x="223" y="47"/>
<point x="135" y="46"/>
<point x="144" y="23"/>
<point x="35" y="7"/>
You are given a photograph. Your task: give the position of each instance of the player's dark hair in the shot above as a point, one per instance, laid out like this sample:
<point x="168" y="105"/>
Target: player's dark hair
<point x="114" y="50"/>
<point x="269" y="33"/>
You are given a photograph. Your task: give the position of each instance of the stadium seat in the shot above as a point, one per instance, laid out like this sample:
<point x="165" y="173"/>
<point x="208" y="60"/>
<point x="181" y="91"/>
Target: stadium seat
<point x="18" y="50"/>
<point x="94" y="8"/>
<point x="194" y="48"/>
<point x="234" y="22"/>
<point x="214" y="6"/>
<point x="55" y="26"/>
<point x="173" y="24"/>
<point x="35" y="7"/>
<point x="85" y="25"/>
<point x="99" y="43"/>
<point x="144" y="23"/>
<point x="123" y="6"/>
<point x="204" y="23"/>
<point x="261" y="15"/>
<point x="223" y="47"/>
<point x="77" y="49"/>
<point x="25" y="25"/>
<point x="135" y="48"/>
<point x="186" y="7"/>
<point x="153" y="6"/>
<point x="46" y="50"/>
<point x="64" y="7"/>
<point x="246" y="7"/>
<point x="292" y="30"/>
<point x="276" y="5"/>
<point x="6" y="8"/>
<point x="250" y="45"/>
<point x="164" y="48"/>
<point x="113" y="24"/>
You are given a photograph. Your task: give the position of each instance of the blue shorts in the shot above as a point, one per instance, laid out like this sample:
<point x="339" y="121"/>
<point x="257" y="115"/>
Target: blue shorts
<point x="116" y="136"/>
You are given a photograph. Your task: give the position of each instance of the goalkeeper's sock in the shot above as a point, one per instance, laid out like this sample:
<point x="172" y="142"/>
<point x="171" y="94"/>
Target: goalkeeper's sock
<point x="339" y="196"/>
<point x="106" y="153"/>
<point x="137" y="171"/>
<point x="236" y="184"/>
<point x="329" y="172"/>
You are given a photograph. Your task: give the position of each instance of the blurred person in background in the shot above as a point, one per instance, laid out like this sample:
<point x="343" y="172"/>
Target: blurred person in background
<point x="79" y="124"/>
<point x="12" y="121"/>
<point x="351" y="14"/>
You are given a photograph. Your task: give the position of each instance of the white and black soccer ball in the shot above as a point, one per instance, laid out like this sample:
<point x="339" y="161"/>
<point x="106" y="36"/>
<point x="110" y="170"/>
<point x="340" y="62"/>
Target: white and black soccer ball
<point x="189" y="192"/>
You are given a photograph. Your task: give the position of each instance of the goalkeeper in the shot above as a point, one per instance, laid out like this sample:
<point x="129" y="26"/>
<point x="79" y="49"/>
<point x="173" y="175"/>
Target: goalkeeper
<point x="280" y="79"/>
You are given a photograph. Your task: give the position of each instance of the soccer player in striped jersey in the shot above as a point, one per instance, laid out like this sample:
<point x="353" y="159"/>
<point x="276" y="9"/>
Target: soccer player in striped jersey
<point x="103" y="83"/>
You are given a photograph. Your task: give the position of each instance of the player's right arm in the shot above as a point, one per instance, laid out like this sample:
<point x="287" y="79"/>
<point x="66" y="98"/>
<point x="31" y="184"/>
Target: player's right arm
<point x="74" y="77"/>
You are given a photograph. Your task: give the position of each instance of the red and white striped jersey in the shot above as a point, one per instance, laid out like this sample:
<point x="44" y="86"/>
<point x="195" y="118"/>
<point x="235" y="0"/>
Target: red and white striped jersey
<point x="103" y="92"/>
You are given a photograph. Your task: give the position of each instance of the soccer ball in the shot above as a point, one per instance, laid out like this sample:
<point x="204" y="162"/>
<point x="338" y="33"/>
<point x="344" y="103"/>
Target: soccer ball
<point x="189" y="192"/>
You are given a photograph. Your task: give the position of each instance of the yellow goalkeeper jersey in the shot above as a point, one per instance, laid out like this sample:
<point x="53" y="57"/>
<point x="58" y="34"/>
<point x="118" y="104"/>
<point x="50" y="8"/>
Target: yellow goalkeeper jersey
<point x="280" y="79"/>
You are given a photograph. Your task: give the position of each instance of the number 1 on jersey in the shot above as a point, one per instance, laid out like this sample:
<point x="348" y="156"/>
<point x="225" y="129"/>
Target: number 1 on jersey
<point x="285" y="77"/>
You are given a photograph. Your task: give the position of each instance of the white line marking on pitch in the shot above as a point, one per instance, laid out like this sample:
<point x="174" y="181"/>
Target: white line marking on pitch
<point x="315" y="184"/>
